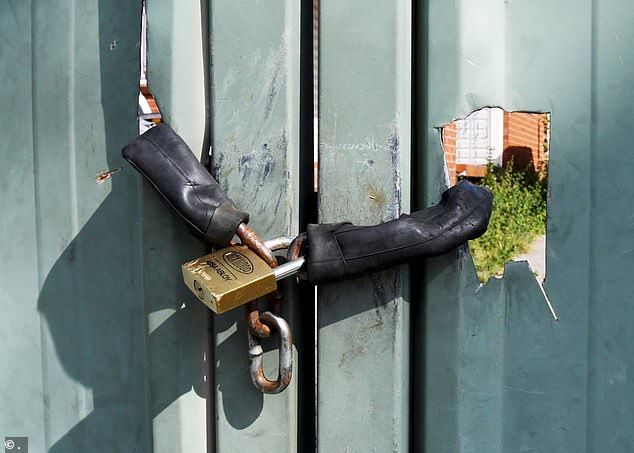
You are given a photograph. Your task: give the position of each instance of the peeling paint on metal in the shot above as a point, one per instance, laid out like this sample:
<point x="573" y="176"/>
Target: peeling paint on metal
<point x="394" y="142"/>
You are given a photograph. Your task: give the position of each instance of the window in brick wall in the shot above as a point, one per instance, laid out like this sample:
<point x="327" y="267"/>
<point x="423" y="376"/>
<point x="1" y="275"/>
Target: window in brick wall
<point x="507" y="152"/>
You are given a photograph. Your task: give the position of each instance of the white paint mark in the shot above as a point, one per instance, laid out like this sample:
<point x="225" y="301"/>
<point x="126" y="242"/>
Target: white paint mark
<point x="550" y="305"/>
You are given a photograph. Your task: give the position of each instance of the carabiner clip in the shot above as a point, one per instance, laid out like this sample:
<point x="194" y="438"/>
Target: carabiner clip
<point x="285" y="370"/>
<point x="260" y="325"/>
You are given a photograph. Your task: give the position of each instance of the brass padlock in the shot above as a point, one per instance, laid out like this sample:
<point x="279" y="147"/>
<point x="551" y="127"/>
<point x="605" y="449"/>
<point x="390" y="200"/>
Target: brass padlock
<point x="233" y="276"/>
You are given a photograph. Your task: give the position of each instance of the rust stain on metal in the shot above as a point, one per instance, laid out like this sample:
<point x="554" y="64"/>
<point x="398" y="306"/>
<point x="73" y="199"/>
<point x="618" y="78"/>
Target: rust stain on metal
<point x="252" y="316"/>
<point x="297" y="247"/>
<point x="102" y="176"/>
<point x="251" y="240"/>
<point x="377" y="199"/>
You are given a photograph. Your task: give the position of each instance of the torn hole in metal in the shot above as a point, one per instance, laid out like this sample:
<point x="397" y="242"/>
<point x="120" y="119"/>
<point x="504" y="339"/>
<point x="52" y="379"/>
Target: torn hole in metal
<point x="148" y="112"/>
<point x="507" y="152"/>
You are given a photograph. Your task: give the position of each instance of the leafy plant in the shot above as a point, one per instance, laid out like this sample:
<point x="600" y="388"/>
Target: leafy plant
<point x="519" y="216"/>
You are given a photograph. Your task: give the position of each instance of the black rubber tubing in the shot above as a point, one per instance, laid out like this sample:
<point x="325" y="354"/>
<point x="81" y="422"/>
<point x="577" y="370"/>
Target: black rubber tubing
<point x="166" y="161"/>
<point x="342" y="251"/>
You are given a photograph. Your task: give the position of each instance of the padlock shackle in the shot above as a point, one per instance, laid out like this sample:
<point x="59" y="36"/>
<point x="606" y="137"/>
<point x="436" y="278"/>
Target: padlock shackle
<point x="290" y="268"/>
<point x="279" y="243"/>
<point x="295" y="263"/>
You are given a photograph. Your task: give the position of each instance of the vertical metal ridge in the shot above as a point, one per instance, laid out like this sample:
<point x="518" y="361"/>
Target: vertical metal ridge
<point x="72" y="152"/>
<point x="38" y="218"/>
<point x="256" y="145"/>
<point x="34" y="141"/>
<point x="590" y="326"/>
<point x="140" y="212"/>
<point x="364" y="152"/>
<point x="205" y="157"/>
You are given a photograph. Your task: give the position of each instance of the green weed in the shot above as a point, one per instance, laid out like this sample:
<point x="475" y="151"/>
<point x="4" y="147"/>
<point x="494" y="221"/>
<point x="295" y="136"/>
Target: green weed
<point x="519" y="216"/>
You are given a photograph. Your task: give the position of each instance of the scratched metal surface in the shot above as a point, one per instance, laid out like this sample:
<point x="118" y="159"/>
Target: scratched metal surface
<point x="255" y="141"/>
<point x="72" y="328"/>
<point x="496" y="373"/>
<point x="364" y="148"/>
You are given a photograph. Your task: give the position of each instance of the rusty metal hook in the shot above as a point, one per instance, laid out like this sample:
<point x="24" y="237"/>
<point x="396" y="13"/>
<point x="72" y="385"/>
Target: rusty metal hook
<point x="297" y="246"/>
<point x="252" y="315"/>
<point x="285" y="369"/>
<point x="259" y="325"/>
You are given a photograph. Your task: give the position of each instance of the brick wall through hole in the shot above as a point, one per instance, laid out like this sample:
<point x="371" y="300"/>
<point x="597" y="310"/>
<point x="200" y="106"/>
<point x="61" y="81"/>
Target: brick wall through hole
<point x="524" y="139"/>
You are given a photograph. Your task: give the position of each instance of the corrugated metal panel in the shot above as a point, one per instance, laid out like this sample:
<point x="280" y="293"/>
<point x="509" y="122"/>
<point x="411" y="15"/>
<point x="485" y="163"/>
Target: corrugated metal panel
<point x="20" y="326"/>
<point x="364" y="149"/>
<point x="72" y="327"/>
<point x="121" y="355"/>
<point x="254" y="122"/>
<point x="499" y="373"/>
<point x="255" y="155"/>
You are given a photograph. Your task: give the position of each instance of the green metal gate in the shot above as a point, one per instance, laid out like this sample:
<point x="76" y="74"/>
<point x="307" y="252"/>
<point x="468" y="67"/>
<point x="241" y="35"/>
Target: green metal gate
<point x="104" y="349"/>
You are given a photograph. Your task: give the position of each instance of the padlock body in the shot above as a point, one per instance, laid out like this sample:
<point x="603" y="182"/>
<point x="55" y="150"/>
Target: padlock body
<point x="229" y="278"/>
